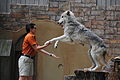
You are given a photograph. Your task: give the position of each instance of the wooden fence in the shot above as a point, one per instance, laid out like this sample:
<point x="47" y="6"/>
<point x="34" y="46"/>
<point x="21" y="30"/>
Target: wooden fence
<point x="107" y="2"/>
<point x="5" y="4"/>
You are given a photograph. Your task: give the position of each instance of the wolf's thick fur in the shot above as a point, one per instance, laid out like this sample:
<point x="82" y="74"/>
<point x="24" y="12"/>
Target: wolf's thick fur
<point x="75" y="32"/>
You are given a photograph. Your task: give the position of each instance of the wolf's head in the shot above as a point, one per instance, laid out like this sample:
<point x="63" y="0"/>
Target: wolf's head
<point x="66" y="16"/>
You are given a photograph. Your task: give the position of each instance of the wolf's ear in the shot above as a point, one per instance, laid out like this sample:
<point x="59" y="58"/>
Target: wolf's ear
<point x="68" y="13"/>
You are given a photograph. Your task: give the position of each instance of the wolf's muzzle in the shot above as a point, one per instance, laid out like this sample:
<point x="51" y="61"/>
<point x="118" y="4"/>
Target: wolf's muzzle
<point x="60" y="22"/>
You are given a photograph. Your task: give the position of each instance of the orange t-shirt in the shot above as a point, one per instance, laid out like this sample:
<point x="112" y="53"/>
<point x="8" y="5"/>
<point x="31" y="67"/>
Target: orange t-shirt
<point x="28" y="42"/>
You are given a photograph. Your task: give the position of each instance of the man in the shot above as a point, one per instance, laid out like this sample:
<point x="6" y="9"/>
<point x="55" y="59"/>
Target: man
<point x="30" y="49"/>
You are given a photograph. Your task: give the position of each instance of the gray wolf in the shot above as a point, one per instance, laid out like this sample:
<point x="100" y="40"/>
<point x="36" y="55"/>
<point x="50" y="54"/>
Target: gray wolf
<point x="75" y="32"/>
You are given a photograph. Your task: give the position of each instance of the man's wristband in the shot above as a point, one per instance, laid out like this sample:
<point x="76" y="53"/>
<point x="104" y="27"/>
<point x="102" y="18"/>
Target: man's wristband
<point x="50" y="54"/>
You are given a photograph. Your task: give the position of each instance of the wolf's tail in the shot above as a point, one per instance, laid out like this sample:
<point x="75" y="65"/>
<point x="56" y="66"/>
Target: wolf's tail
<point x="104" y="59"/>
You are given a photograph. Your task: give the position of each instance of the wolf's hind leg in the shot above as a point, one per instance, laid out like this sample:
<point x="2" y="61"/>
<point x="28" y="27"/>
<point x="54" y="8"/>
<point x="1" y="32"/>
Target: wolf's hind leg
<point x="95" y="59"/>
<point x="92" y="60"/>
<point x="93" y="63"/>
<point x="103" y="60"/>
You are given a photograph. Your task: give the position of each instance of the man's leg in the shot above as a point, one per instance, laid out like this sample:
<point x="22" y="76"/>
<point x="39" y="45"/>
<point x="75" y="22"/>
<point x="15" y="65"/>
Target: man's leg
<point x="30" y="78"/>
<point x="25" y="68"/>
<point x="23" y="78"/>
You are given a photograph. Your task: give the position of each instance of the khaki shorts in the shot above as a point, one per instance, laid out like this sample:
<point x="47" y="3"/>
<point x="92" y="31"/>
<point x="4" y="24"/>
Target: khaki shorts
<point x="25" y="65"/>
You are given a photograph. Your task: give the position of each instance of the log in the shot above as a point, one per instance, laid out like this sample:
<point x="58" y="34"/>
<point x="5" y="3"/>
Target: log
<point x="88" y="75"/>
<point x="91" y="75"/>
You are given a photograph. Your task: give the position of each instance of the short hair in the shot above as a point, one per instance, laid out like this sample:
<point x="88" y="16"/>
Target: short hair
<point x="28" y="26"/>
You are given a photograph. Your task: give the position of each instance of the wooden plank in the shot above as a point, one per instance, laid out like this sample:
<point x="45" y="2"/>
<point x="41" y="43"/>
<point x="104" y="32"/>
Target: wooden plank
<point x="99" y="2"/>
<point x="107" y="2"/>
<point x="40" y="2"/>
<point x="5" y="47"/>
<point x="36" y="2"/>
<point x="43" y="2"/>
<point x="8" y="6"/>
<point x="118" y="2"/>
<point x="0" y="6"/>
<point x="31" y="1"/>
<point x="22" y="1"/>
<point x="46" y="2"/>
<point x="103" y="2"/>
<point x="13" y="1"/>
<point x="112" y="2"/>
<point x="27" y="2"/>
<point x="18" y="1"/>
<point x="3" y="6"/>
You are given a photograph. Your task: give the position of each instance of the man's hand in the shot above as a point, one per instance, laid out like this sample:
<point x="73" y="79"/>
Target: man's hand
<point x="47" y="43"/>
<point x="50" y="54"/>
<point x="54" y="55"/>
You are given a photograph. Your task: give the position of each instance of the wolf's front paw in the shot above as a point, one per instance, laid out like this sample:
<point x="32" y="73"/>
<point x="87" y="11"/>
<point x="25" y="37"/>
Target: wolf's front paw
<point x="47" y="42"/>
<point x="56" y="44"/>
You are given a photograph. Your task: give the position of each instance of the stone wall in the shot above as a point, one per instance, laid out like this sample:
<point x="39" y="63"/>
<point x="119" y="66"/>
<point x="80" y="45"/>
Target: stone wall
<point x="104" y="21"/>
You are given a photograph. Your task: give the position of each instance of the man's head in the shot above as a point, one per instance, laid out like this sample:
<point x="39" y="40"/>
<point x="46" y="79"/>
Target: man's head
<point x="30" y="28"/>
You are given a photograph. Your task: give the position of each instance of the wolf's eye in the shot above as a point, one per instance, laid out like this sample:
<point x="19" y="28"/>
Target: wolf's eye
<point x="62" y="16"/>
